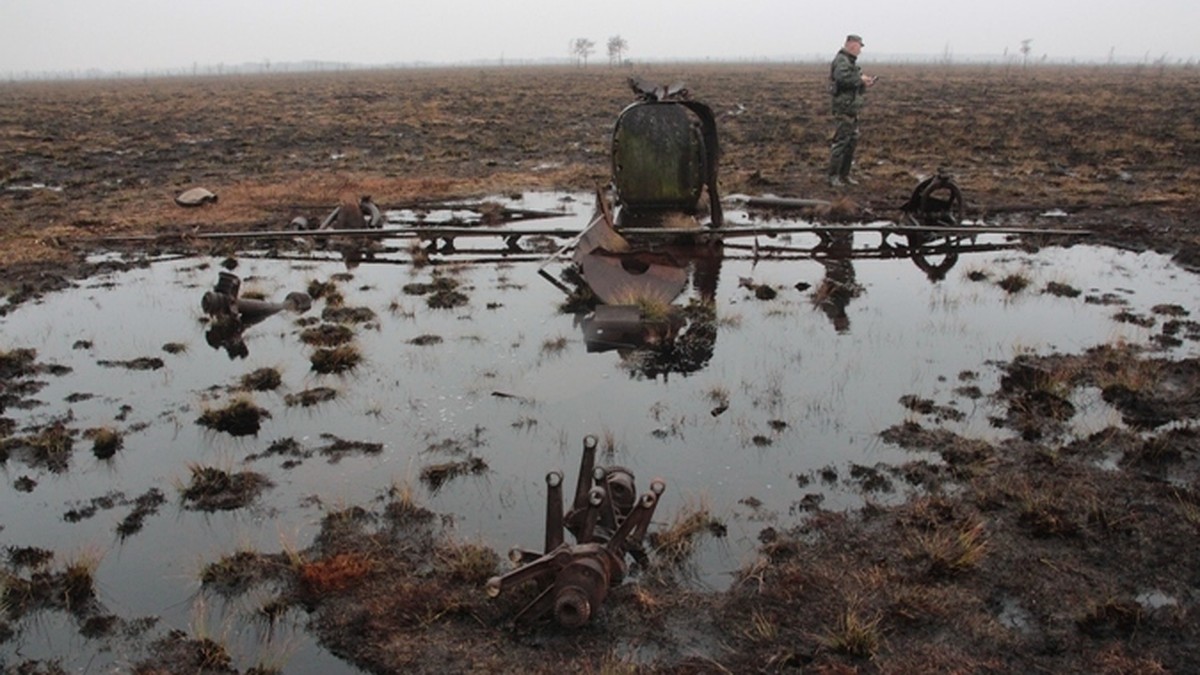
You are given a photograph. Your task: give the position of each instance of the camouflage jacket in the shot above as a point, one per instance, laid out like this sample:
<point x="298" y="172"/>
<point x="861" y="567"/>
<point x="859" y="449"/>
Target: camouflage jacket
<point x="845" y="84"/>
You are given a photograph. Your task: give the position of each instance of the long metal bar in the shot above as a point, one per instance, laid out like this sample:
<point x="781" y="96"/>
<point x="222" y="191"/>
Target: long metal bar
<point x="728" y="232"/>
<point x="561" y="233"/>
<point x="381" y="233"/>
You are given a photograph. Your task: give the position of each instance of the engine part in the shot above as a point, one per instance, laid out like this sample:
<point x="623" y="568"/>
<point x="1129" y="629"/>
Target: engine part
<point x="607" y="520"/>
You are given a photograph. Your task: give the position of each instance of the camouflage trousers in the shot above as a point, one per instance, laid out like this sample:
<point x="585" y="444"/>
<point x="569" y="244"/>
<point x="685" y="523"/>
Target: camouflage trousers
<point x="845" y="140"/>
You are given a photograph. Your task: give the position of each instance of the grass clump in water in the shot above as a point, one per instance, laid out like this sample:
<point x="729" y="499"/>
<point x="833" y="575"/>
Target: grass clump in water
<point x="336" y="360"/>
<point x="106" y="441"/>
<point x="214" y="489"/>
<point x="240" y="418"/>
<point x="262" y="379"/>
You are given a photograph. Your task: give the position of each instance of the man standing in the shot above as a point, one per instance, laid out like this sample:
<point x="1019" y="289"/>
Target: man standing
<point x="847" y="84"/>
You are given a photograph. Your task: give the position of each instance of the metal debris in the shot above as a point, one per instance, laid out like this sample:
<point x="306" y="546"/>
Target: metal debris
<point x="608" y="521"/>
<point x="232" y="314"/>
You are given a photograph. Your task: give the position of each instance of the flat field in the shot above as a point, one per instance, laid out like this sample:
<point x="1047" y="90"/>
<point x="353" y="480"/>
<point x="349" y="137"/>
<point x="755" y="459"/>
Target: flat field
<point x="1046" y="551"/>
<point x="1115" y="146"/>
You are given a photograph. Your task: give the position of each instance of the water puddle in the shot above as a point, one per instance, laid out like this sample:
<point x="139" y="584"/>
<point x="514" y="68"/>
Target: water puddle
<point x="759" y="411"/>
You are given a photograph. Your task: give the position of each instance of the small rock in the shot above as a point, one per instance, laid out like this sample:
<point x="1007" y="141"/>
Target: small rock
<point x="196" y="197"/>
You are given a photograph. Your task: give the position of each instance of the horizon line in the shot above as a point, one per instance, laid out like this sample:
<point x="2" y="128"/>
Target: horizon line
<point x="267" y="66"/>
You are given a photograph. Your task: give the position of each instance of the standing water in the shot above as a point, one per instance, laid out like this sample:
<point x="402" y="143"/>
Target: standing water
<point x="779" y="405"/>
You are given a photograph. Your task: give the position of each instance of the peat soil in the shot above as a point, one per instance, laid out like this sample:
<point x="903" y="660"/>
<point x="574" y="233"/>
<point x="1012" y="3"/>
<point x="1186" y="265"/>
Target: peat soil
<point x="1043" y="552"/>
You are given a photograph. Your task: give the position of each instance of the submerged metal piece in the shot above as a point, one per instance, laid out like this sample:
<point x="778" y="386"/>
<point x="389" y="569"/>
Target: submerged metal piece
<point x="232" y="314"/>
<point x="607" y="520"/>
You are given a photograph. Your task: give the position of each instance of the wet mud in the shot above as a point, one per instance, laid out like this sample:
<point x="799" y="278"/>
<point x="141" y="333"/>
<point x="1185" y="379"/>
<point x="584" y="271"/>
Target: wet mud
<point x="1050" y="549"/>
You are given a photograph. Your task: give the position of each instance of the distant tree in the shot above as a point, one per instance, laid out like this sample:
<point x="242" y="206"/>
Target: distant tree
<point x="617" y="47"/>
<point x="582" y="48"/>
<point x="1026" y="47"/>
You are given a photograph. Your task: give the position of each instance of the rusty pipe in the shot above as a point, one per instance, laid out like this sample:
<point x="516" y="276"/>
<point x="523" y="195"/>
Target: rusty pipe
<point x="657" y="487"/>
<point x="637" y="519"/>
<point x="586" y="466"/>
<point x="554" y="511"/>
<point x="587" y="531"/>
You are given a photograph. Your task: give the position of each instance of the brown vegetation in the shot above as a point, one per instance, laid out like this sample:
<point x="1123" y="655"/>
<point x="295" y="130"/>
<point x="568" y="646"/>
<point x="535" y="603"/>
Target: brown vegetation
<point x="1109" y="145"/>
<point x="1039" y="553"/>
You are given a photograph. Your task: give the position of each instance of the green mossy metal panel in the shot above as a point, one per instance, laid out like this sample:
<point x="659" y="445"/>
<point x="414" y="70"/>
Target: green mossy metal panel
<point x="658" y="157"/>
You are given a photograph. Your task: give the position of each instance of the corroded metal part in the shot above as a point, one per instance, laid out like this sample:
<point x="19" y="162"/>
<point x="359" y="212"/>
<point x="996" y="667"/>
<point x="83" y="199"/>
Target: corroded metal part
<point x="354" y="216"/>
<point x="664" y="155"/>
<point x="232" y="314"/>
<point x="937" y="201"/>
<point x="607" y="520"/>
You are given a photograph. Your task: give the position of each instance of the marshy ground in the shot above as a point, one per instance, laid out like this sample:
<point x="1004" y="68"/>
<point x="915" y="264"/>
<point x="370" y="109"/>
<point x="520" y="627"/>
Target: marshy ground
<point x="1033" y="547"/>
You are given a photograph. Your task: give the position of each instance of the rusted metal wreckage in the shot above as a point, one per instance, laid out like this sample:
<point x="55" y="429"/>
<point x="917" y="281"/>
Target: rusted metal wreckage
<point x="665" y="154"/>
<point x="661" y="224"/>
<point x="230" y="314"/>
<point x="607" y="520"/>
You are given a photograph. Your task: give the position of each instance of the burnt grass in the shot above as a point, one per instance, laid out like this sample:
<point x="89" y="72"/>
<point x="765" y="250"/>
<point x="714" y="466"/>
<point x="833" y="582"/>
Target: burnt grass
<point x="1048" y="551"/>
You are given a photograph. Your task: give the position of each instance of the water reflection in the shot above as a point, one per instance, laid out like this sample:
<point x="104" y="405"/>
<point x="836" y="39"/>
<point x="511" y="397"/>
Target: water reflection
<point x="839" y="286"/>
<point x="230" y="315"/>
<point x="639" y="304"/>
<point x="634" y="291"/>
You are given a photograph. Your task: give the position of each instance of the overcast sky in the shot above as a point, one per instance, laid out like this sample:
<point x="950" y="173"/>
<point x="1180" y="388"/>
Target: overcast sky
<point x="138" y="35"/>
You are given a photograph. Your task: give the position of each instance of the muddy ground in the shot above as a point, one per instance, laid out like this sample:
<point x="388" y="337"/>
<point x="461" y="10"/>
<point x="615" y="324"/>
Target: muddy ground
<point x="1046" y="552"/>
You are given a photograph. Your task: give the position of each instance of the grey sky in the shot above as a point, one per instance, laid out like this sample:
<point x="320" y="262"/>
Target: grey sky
<point x="134" y="35"/>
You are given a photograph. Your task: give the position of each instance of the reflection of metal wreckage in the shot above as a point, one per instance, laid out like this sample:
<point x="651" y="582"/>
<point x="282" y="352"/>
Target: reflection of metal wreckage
<point x="231" y="314"/>
<point x="607" y="520"/>
<point x="637" y="288"/>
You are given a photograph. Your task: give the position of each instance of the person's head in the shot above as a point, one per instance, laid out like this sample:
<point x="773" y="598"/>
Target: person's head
<point x="854" y="44"/>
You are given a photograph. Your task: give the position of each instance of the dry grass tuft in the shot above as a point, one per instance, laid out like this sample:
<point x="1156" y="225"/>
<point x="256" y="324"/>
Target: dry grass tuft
<point x="241" y="417"/>
<point x="471" y="564"/>
<point x="676" y="544"/>
<point x="555" y="345"/>
<point x="855" y="635"/>
<point x="952" y="552"/>
<point x="1013" y="283"/>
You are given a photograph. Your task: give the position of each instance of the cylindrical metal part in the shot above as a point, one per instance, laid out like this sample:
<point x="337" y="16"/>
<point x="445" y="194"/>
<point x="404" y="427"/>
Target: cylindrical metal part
<point x="554" y="511"/>
<point x="621" y="490"/>
<point x="571" y="607"/>
<point x="215" y="303"/>
<point x="580" y="588"/>
<point x="658" y="157"/>
<point x="586" y="463"/>
<point x="228" y="283"/>
<point x="516" y="555"/>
